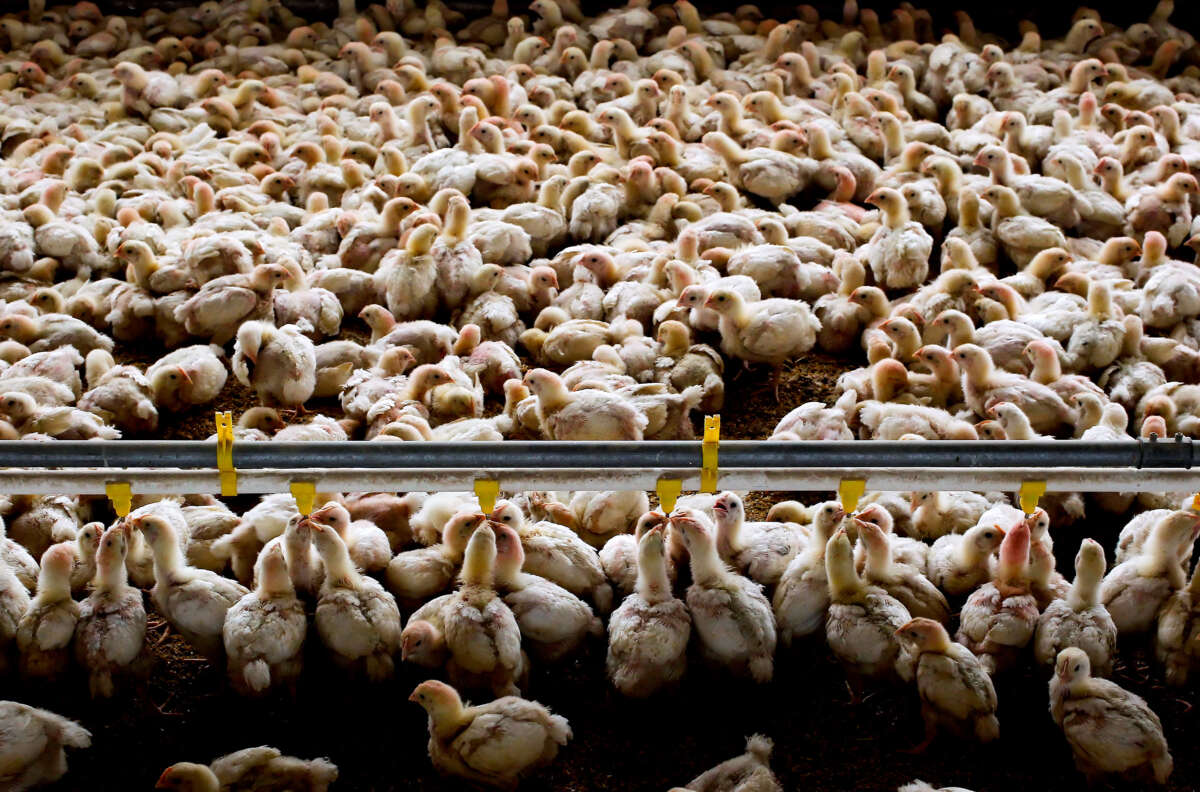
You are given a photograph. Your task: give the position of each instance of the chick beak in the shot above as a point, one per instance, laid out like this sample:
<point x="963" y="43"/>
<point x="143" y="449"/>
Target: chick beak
<point x="412" y="696"/>
<point x="186" y="377"/>
<point x="710" y="302"/>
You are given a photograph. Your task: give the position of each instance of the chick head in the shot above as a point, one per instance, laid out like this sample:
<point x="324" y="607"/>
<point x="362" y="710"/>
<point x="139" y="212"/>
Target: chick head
<point x="926" y="634"/>
<point x="693" y="527"/>
<point x="728" y="506"/>
<point x="1089" y="561"/>
<point x="332" y="514"/>
<point x="1072" y="665"/>
<point x="153" y="526"/>
<point x="17" y="406"/>
<point x="723" y="301"/>
<point x="58" y="560"/>
<point x="828" y="515"/>
<point x="436" y="697"/>
<point x="113" y="544"/>
<point x="88" y="537"/>
<point x="186" y="776"/>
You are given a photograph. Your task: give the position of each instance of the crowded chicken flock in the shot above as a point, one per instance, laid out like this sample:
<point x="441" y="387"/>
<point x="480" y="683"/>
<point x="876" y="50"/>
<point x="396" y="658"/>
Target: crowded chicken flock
<point x="574" y="228"/>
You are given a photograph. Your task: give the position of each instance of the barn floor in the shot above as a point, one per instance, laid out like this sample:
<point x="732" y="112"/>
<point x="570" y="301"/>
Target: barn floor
<point x="823" y="743"/>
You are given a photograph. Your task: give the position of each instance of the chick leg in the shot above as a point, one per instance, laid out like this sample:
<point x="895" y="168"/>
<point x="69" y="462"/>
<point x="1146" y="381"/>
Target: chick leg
<point x="930" y="733"/>
<point x="854" y="685"/>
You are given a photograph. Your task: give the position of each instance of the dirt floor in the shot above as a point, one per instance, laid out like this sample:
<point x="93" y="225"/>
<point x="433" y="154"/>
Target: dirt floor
<point x="823" y="742"/>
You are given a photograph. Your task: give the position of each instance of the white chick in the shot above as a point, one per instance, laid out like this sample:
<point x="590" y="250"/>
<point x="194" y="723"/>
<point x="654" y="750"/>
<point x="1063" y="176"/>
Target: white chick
<point x="279" y="364"/>
<point x="86" y="543"/>
<point x="802" y="596"/>
<point x="496" y="744"/>
<point x="187" y="376"/>
<point x="556" y="553"/>
<point x="862" y="621"/>
<point x="960" y="563"/>
<point x="482" y="635"/>
<point x="732" y="616"/>
<point x="599" y="515"/>
<point x="1175" y="641"/>
<point x="619" y="556"/>
<point x="582" y="415"/>
<point x="1134" y="590"/>
<point x="415" y="575"/>
<point x="955" y="690"/>
<point x="423" y="641"/>
<point x="999" y="619"/>
<point x="750" y="772"/>
<point x="552" y="620"/>
<point x="122" y="397"/>
<point x="49" y="519"/>
<point x="193" y="600"/>
<point x="18" y="559"/>
<point x="45" y="631"/>
<point x="648" y="633"/>
<point x="904" y="582"/>
<point x="357" y="620"/>
<point x="1111" y="731"/>
<point x="759" y="550"/>
<point x="14" y="601"/>
<point x="264" y="631"/>
<point x="369" y="547"/>
<point x="251" y="768"/>
<point x="1080" y="619"/>
<point x="770" y="331"/>
<point x="33" y="748"/>
<point x="112" y="620"/>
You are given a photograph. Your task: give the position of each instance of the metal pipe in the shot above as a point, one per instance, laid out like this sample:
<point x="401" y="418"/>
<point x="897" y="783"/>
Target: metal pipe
<point x="734" y="454"/>
<point x="168" y="482"/>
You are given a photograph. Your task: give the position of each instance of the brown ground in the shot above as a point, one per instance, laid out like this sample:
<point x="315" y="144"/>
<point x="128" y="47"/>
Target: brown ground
<point x="822" y="742"/>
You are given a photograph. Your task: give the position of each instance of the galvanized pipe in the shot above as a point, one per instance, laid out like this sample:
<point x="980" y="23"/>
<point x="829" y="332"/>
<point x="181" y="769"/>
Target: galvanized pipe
<point x="734" y="454"/>
<point x="157" y="481"/>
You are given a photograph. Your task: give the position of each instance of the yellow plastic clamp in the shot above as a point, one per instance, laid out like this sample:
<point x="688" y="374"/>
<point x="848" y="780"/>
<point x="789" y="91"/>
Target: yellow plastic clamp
<point x="225" y="467"/>
<point x="305" y="493"/>
<point x="121" y="495"/>
<point x="487" y="490"/>
<point x="1031" y="492"/>
<point x="1195" y="506"/>
<point x="708" y="453"/>
<point x="849" y="491"/>
<point x="668" y="491"/>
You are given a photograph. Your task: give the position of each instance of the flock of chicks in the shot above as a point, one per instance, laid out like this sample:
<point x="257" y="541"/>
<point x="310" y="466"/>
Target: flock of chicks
<point x="549" y="189"/>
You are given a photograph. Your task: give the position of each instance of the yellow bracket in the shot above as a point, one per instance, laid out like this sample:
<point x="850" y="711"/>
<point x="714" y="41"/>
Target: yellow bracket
<point x="487" y="490"/>
<point x="1031" y="492"/>
<point x="228" y="474"/>
<point x="305" y="493"/>
<point x="708" y="453"/>
<point x="849" y="491"/>
<point x="668" y="491"/>
<point x="1195" y="502"/>
<point x="121" y="495"/>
